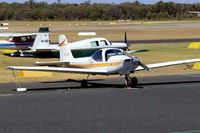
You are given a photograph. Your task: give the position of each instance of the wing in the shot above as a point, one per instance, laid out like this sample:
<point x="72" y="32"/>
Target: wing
<point x="51" y="63"/>
<point x="170" y="63"/>
<point x="57" y="69"/>
<point x="16" y="34"/>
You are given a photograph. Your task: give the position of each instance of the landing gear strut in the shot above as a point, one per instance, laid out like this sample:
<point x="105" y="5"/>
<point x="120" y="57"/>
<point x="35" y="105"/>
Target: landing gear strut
<point x="131" y="82"/>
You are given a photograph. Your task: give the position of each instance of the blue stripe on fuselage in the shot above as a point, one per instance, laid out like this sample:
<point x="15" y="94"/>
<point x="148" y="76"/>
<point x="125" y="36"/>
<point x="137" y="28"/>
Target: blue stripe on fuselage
<point x="15" y="45"/>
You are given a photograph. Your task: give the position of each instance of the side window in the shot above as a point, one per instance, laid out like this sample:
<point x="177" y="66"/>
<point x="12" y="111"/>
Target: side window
<point x="97" y="56"/>
<point x="103" y="43"/>
<point x="17" y="39"/>
<point x="94" y="43"/>
<point x="23" y="39"/>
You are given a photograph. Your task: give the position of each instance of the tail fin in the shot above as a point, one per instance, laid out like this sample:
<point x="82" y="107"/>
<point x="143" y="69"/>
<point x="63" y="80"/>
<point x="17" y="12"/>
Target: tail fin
<point x="65" y="51"/>
<point x="41" y="40"/>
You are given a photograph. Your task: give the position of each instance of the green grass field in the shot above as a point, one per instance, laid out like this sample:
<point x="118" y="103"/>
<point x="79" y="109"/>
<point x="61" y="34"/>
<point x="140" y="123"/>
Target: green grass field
<point x="157" y="53"/>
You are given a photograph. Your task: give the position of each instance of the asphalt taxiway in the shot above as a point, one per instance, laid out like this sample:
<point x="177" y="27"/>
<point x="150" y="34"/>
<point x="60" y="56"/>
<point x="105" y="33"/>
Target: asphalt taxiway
<point x="160" y="104"/>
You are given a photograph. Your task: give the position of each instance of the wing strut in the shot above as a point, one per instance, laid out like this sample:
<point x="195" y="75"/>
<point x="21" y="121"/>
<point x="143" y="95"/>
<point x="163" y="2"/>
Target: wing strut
<point x="18" y="86"/>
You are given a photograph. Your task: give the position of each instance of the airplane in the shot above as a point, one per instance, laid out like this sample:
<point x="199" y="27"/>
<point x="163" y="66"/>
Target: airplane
<point x="22" y="42"/>
<point x="195" y="12"/>
<point x="81" y="48"/>
<point x="106" y="61"/>
<point x="38" y="44"/>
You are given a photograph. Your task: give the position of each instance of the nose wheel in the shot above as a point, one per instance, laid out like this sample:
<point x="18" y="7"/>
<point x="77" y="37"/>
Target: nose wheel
<point x="131" y="82"/>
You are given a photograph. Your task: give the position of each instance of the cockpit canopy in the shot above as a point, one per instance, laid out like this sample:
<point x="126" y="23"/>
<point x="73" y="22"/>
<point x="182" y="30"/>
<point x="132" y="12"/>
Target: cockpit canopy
<point x="112" y="52"/>
<point x="104" y="54"/>
<point x="99" y="42"/>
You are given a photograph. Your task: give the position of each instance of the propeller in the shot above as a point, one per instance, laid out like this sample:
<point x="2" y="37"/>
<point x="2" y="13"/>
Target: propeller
<point x="144" y="66"/>
<point x="137" y="59"/>
<point x="126" y="41"/>
<point x="125" y="38"/>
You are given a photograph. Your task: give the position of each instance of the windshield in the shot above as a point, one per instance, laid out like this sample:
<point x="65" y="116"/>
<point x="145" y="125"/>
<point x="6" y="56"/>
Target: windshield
<point x="97" y="56"/>
<point x="112" y="52"/>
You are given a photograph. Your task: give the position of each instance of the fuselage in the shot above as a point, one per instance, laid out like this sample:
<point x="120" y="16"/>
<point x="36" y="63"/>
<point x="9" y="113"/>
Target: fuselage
<point x="18" y="42"/>
<point x="109" y="59"/>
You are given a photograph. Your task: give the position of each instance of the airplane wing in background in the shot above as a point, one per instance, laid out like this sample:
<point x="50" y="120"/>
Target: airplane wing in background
<point x="16" y="34"/>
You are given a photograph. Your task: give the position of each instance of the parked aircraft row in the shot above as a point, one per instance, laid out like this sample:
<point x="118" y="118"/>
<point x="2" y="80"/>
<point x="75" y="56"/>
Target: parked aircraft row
<point x="105" y="61"/>
<point x="39" y="44"/>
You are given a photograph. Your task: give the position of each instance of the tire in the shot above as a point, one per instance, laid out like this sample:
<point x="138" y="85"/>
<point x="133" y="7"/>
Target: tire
<point x="84" y="83"/>
<point x="134" y="82"/>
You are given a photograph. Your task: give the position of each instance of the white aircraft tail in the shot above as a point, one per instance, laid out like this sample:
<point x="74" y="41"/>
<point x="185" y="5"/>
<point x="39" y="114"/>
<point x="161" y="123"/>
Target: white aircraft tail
<point x="65" y="51"/>
<point x="41" y="40"/>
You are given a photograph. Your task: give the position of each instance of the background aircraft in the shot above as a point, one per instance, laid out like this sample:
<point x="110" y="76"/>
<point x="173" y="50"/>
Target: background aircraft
<point x="195" y="12"/>
<point x="106" y="61"/>
<point x="25" y="41"/>
<point x="38" y="44"/>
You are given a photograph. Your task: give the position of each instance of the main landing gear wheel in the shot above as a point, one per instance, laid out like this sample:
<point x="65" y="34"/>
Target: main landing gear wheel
<point x="134" y="82"/>
<point x="84" y="84"/>
<point x="131" y="82"/>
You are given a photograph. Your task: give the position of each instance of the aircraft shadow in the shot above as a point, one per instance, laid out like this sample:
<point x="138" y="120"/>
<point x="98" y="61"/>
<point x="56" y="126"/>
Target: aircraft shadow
<point x="92" y="85"/>
<point x="168" y="83"/>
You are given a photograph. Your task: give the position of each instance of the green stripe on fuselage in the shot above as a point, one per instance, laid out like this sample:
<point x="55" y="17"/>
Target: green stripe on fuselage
<point x="83" y="53"/>
<point x="78" y="53"/>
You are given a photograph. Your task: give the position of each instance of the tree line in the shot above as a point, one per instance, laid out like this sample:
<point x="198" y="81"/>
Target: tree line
<point x="32" y="10"/>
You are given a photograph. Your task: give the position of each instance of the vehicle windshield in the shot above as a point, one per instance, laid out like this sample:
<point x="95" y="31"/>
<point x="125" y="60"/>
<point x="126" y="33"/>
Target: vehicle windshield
<point x="97" y="56"/>
<point x="112" y="52"/>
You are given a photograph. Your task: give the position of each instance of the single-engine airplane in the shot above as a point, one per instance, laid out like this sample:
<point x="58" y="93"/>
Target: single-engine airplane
<point x="21" y="42"/>
<point x="106" y="61"/>
<point x="83" y="48"/>
<point x="195" y="12"/>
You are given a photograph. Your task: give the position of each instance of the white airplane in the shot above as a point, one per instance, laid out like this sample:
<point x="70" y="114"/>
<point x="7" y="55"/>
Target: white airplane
<point x="39" y="44"/>
<point x="26" y="41"/>
<point x="195" y="12"/>
<point x="82" y="48"/>
<point x="106" y="61"/>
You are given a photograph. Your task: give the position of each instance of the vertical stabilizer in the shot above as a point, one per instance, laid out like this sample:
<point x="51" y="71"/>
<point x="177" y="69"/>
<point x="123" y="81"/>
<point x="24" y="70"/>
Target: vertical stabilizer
<point x="65" y="51"/>
<point x="41" y="40"/>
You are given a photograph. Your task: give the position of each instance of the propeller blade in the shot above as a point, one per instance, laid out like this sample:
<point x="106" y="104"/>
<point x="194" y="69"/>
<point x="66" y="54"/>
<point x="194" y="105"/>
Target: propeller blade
<point x="145" y="67"/>
<point x="125" y="38"/>
<point x="126" y="41"/>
